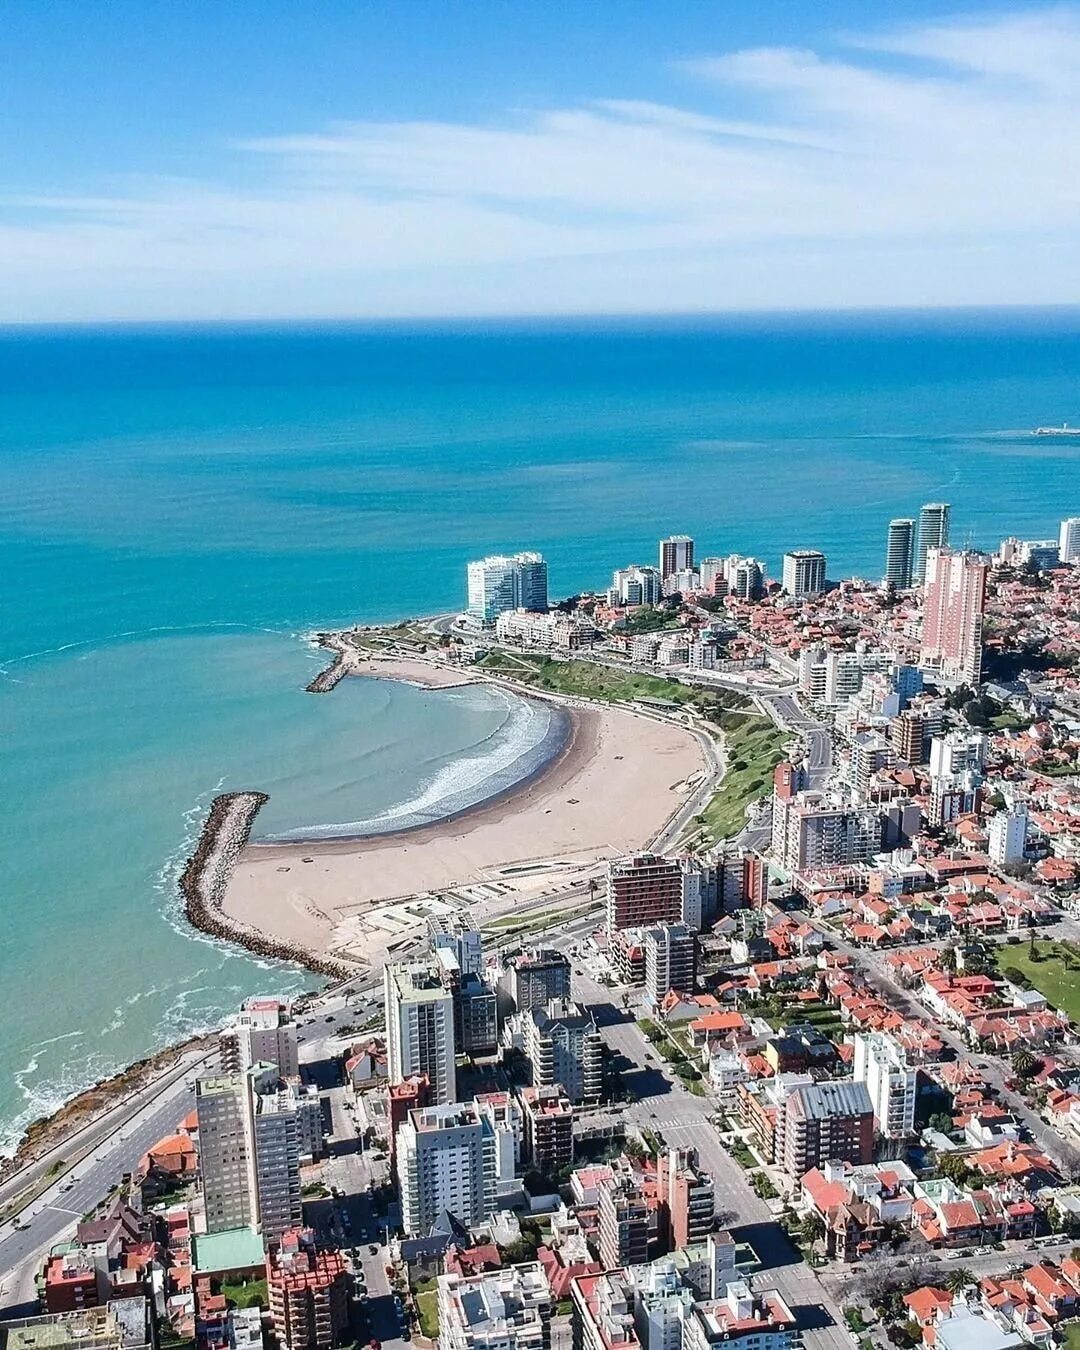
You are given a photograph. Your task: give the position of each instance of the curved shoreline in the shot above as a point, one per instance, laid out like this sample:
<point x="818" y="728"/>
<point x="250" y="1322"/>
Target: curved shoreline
<point x="559" y="739"/>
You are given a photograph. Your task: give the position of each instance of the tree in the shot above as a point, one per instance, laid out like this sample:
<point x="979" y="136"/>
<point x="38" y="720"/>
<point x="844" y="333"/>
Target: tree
<point x="941" y="1121"/>
<point x="1025" y="1064"/>
<point x="812" y="1228"/>
<point x="955" y="1168"/>
<point x="956" y="1281"/>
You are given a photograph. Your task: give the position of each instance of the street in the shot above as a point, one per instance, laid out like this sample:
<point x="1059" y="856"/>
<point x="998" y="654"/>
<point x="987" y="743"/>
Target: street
<point x="663" y="1104"/>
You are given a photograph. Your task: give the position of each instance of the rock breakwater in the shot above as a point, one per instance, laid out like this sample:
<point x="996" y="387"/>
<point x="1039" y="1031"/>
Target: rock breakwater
<point x="344" y="663"/>
<point x="205" y="878"/>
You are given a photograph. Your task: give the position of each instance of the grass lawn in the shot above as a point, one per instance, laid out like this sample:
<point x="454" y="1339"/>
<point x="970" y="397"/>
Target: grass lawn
<point x="754" y="748"/>
<point x="1050" y="975"/>
<point x="247" y="1295"/>
<point x="584" y="679"/>
<point x="427" y="1305"/>
<point x="1072" y="1336"/>
<point x="743" y="1156"/>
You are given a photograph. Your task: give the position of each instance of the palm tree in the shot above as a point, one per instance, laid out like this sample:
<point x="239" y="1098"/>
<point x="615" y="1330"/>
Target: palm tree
<point x="956" y="1281"/>
<point x="812" y="1228"/>
<point x="1024" y="1063"/>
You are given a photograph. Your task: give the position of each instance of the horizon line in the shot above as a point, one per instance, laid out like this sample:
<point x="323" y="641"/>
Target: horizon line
<point x="9" y="327"/>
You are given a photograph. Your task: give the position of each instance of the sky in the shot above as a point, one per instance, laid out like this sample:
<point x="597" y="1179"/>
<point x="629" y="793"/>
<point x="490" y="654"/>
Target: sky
<point x="361" y="158"/>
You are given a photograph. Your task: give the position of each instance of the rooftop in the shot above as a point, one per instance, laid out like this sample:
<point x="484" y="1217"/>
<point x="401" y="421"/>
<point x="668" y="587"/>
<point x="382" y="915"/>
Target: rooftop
<point x="234" y="1249"/>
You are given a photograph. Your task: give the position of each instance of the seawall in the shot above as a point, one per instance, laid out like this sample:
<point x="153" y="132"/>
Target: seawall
<point x="205" y="878"/>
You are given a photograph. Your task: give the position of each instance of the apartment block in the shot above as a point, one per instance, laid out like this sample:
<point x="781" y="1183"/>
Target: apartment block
<point x="420" y="1027"/>
<point x="565" y="1048"/>
<point x="548" y="1118"/>
<point x="533" y="978"/>
<point x="642" y="890"/>
<point x="824" y="1122"/>
<point x="446" y="1161"/>
<point x="308" y="1292"/>
<point x="891" y="1082"/>
<point x="507" y="1309"/>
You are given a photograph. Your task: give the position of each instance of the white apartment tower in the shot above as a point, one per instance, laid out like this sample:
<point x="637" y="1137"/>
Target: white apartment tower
<point x="504" y="582"/>
<point x="636" y="586"/>
<point x="446" y="1160"/>
<point x="933" y="533"/>
<point x="804" y="573"/>
<point x="420" y="1027"/>
<point x="1008" y="835"/>
<point x="670" y="960"/>
<point x="1069" y="540"/>
<point x="881" y="1063"/>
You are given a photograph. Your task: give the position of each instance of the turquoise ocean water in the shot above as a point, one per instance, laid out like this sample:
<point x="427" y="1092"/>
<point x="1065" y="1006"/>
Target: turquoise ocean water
<point x="178" y="505"/>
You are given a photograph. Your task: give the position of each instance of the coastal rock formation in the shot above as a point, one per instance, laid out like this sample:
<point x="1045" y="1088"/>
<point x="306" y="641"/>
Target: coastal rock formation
<point x="206" y="876"/>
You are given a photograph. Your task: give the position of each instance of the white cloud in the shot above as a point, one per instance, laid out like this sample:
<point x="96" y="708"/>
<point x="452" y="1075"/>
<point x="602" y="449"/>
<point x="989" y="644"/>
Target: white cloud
<point x="936" y="164"/>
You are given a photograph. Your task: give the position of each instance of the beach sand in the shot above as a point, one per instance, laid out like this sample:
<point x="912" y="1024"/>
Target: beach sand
<point x="615" y="784"/>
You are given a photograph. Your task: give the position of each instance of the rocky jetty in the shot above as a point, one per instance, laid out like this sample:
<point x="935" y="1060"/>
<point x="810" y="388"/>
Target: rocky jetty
<point x="344" y="663"/>
<point x="205" y="878"/>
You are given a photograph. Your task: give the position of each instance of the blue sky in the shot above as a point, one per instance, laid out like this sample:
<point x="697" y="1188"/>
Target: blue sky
<point x="445" y="157"/>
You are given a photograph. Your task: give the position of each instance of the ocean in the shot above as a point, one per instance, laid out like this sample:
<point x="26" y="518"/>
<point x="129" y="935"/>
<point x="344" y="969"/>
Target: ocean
<point x="179" y="506"/>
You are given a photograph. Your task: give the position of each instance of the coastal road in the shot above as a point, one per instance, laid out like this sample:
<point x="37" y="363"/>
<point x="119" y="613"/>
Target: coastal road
<point x="787" y="714"/>
<point x="663" y="1104"/>
<point x="55" y="1213"/>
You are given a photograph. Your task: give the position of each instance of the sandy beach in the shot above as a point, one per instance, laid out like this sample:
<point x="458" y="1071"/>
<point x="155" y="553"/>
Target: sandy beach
<point x="614" y="785"/>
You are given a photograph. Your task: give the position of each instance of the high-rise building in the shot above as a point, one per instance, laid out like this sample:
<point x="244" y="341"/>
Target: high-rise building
<point x="908" y="735"/>
<point x="565" y="1048"/>
<point x="507" y="1309"/>
<point x="249" y="1151"/>
<point x="670" y="960"/>
<point x="1008" y="835"/>
<point x="262" y="1033"/>
<point x="953" y="613"/>
<point x="644" y="889"/>
<point x="503" y="582"/>
<point x="307" y="1291"/>
<point x="533" y="978"/>
<point x="958" y="752"/>
<point x="804" y="573"/>
<point x="1069" y="540"/>
<point x="746" y="580"/>
<point x="1040" y="555"/>
<point x="676" y="554"/>
<point x="891" y="1082"/>
<point x="636" y="586"/>
<point x="622" y="1222"/>
<point x="900" y="554"/>
<point x="933" y="533"/>
<point x="445" y="1161"/>
<point x="824" y="1122"/>
<point x="420" y="1027"/>
<point x="686" y="1197"/>
<point x="548" y="1115"/>
<point x="453" y="932"/>
<point x="813" y="831"/>
<point x="712" y="572"/>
